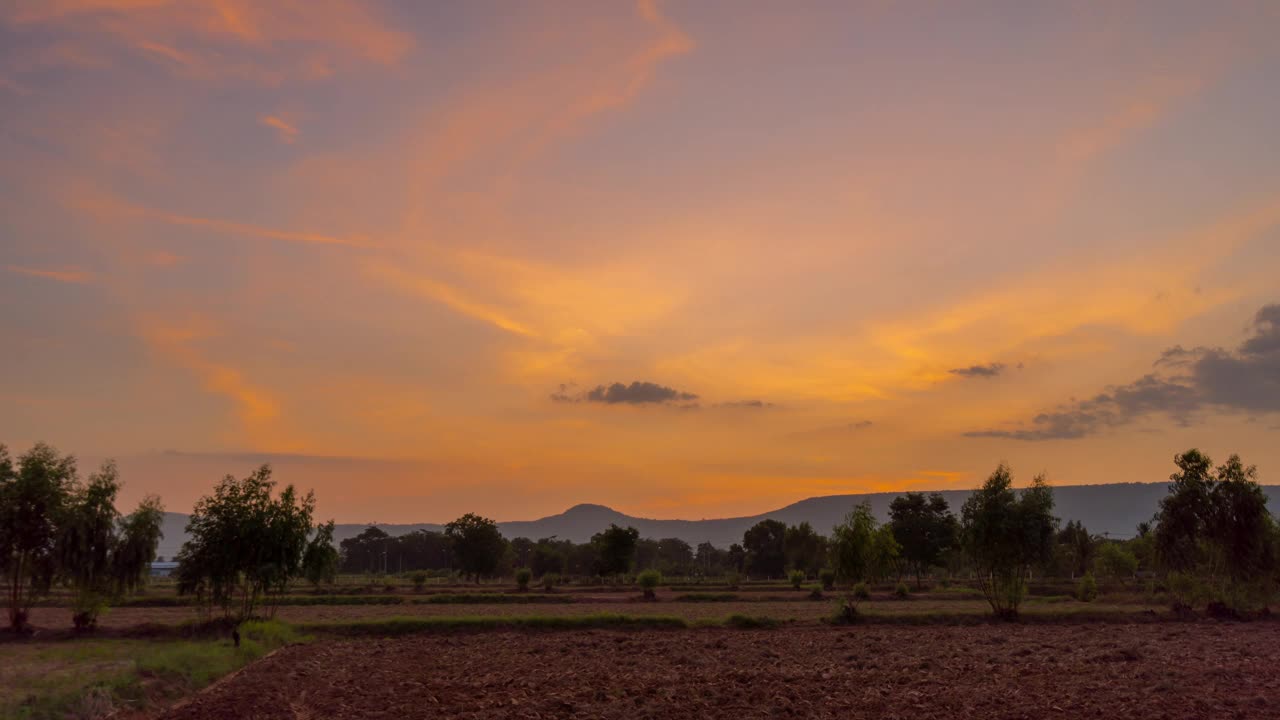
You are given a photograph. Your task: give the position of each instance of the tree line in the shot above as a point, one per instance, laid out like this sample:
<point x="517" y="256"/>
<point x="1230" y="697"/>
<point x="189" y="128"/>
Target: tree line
<point x="1212" y="541"/>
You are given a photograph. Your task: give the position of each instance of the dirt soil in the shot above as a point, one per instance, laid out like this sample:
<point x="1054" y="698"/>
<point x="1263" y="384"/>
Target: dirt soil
<point x="1194" y="670"/>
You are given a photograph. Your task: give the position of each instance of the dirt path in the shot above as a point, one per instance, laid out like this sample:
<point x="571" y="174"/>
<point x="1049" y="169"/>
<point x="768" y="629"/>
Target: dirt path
<point x="1089" y="671"/>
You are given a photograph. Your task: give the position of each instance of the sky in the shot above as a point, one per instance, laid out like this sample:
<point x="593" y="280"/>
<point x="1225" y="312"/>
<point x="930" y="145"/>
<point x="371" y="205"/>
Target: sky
<point x="686" y="259"/>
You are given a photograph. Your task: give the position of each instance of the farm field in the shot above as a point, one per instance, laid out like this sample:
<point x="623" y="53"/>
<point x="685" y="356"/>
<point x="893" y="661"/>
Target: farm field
<point x="1188" y="670"/>
<point x="138" y="618"/>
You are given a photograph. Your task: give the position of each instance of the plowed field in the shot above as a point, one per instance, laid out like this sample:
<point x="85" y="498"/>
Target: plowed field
<point x="1193" y="670"/>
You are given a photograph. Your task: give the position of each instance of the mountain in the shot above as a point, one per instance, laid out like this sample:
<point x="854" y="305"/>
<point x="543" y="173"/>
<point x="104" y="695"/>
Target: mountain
<point x="1114" y="509"/>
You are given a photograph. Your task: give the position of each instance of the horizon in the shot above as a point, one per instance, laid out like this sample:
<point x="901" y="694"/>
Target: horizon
<point x="688" y="259"/>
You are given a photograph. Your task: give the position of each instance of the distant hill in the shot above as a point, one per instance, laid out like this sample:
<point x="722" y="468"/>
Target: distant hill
<point x="1115" y="509"/>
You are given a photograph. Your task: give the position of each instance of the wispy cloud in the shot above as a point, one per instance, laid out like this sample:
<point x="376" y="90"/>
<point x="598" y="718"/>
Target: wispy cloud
<point x="74" y="276"/>
<point x="285" y="131"/>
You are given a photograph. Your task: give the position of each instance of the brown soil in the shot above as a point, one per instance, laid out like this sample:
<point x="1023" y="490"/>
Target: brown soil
<point x="1195" y="670"/>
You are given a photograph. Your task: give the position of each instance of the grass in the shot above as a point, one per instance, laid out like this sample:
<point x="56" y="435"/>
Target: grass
<point x="413" y="625"/>
<point x="707" y="597"/>
<point x="96" y="677"/>
<point x="490" y="599"/>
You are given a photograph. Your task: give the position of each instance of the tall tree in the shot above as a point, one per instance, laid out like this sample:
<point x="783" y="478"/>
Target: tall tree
<point x="1006" y="534"/>
<point x="765" y="543"/>
<point x="103" y="556"/>
<point x="1214" y="524"/>
<point x="320" y="559"/>
<point x="33" y="497"/>
<point x="805" y="548"/>
<point x="853" y="545"/>
<point x="615" y="549"/>
<point x="245" y="544"/>
<point x="477" y="545"/>
<point x="924" y="528"/>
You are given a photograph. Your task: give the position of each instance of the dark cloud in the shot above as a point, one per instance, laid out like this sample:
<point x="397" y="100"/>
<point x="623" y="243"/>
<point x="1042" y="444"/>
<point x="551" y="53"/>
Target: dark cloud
<point x="639" y="392"/>
<point x="980" y="371"/>
<point x="746" y="404"/>
<point x="1195" y="380"/>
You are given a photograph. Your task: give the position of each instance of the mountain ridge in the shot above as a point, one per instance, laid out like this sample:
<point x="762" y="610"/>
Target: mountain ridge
<point x="1113" y="509"/>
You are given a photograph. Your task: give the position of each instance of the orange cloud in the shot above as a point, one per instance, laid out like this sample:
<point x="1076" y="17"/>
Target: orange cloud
<point x="255" y="406"/>
<point x="106" y="205"/>
<point x="73" y="275"/>
<point x="287" y="133"/>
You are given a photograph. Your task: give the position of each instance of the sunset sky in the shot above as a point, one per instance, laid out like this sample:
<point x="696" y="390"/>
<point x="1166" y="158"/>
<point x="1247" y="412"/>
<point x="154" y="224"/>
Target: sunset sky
<point x="404" y="250"/>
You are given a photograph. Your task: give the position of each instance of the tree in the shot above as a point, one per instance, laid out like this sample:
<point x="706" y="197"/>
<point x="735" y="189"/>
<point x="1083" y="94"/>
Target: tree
<point x="886" y="554"/>
<point x="101" y="555"/>
<point x="1006" y="534"/>
<point x="853" y="545"/>
<point x="522" y="551"/>
<point x="710" y="560"/>
<point x="924" y="528"/>
<point x="615" y="549"/>
<point x="736" y="558"/>
<point x="33" y="498"/>
<point x="805" y="548"/>
<point x="1115" y="561"/>
<point x="245" y="545"/>
<point x="1214" y="525"/>
<point x="546" y="558"/>
<point x="320" y="559"/>
<point x="477" y="545"/>
<point x="675" y="557"/>
<point x="765" y="546"/>
<point x="1077" y="548"/>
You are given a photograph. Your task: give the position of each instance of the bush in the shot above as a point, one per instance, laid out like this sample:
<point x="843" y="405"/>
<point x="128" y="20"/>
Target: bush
<point x="815" y="592"/>
<point x="861" y="591"/>
<point x="549" y="581"/>
<point x="419" y="580"/>
<point x="523" y="576"/>
<point x="732" y="579"/>
<point x="1087" y="591"/>
<point x="648" y="581"/>
<point x="828" y="578"/>
<point x="901" y="591"/>
<point x="797" y="578"/>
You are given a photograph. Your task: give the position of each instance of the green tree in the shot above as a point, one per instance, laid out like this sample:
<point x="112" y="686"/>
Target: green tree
<point x="765" y="546"/>
<point x="477" y="545"/>
<point x="245" y="544"/>
<point x="1214" y="526"/>
<point x="1077" y="548"/>
<point x="675" y="557"/>
<point x="853" y="545"/>
<point x="546" y="558"/>
<point x="320" y="559"/>
<point x="33" y="497"/>
<point x="924" y="528"/>
<point x="805" y="548"/>
<point x="103" y="556"/>
<point x="1116" y="562"/>
<point x="615" y="549"/>
<point x="736" y="558"/>
<point x="886" y="554"/>
<point x="1006" y="534"/>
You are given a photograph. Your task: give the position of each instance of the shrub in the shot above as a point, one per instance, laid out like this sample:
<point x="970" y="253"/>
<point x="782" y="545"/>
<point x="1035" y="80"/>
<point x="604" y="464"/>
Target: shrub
<point x="648" y="581"/>
<point x="419" y="580"/>
<point x="815" y="592"/>
<point x="901" y="591"/>
<point x="846" y="610"/>
<point x="549" y="581"/>
<point x="797" y="578"/>
<point x="732" y="579"/>
<point x="828" y="578"/>
<point x="1087" y="591"/>
<point x="861" y="591"/>
<point x="523" y="576"/>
